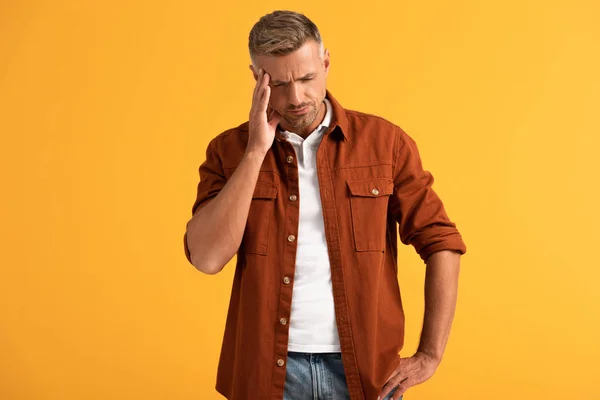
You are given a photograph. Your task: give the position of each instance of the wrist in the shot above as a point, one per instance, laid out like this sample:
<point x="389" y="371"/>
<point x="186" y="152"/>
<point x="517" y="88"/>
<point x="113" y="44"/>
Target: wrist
<point x="429" y="357"/>
<point x="255" y="153"/>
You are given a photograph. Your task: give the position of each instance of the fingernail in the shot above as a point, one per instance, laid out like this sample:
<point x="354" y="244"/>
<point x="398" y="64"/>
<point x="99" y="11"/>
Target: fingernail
<point x="378" y="397"/>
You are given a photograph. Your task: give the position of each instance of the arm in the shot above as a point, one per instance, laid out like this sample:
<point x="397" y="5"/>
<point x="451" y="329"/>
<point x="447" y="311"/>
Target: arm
<point x="441" y="289"/>
<point x="215" y="232"/>
<point x="424" y="224"/>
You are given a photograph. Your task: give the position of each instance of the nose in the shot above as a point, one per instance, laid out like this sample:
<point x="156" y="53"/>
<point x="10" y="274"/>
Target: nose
<point x="294" y="95"/>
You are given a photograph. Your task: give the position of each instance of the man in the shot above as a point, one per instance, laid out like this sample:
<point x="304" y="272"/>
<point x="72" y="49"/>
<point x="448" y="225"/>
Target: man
<point x="309" y="195"/>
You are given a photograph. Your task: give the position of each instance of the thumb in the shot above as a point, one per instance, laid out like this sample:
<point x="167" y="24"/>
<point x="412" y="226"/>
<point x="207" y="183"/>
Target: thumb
<point x="274" y="118"/>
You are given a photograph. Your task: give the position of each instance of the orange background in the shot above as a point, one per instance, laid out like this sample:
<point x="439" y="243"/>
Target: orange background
<point x="105" y="114"/>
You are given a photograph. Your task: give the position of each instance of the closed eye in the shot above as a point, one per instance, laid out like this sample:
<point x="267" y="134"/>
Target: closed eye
<point x="303" y="79"/>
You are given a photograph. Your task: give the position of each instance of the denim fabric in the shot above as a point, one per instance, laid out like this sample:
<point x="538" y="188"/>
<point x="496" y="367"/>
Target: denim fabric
<point x="316" y="376"/>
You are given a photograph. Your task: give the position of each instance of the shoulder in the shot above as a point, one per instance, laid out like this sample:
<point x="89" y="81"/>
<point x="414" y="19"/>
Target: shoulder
<point x="231" y="135"/>
<point x="365" y="124"/>
<point x="363" y="117"/>
<point x="230" y="144"/>
<point x="240" y="130"/>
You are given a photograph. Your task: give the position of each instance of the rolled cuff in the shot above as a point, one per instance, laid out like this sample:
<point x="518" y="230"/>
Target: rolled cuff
<point x="441" y="240"/>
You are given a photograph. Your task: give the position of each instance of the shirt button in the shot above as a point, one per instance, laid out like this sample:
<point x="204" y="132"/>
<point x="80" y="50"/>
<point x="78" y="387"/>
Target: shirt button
<point x="283" y="321"/>
<point x="375" y="191"/>
<point x="286" y="280"/>
<point x="291" y="238"/>
<point x="289" y="159"/>
<point x="293" y="197"/>
<point x="280" y="362"/>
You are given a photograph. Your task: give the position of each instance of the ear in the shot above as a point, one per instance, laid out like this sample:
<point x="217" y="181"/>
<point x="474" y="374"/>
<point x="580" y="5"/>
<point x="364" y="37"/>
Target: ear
<point x="254" y="73"/>
<point x="326" y="61"/>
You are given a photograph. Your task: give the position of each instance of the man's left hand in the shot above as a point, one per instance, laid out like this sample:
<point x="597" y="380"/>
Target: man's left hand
<point x="410" y="372"/>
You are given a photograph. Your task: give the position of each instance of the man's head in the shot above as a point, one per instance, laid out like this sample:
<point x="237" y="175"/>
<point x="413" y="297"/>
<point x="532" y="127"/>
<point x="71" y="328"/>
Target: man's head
<point x="288" y="46"/>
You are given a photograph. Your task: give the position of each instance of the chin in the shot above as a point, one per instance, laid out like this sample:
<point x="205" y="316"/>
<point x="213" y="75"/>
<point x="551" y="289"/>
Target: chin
<point x="304" y="121"/>
<point x="299" y="123"/>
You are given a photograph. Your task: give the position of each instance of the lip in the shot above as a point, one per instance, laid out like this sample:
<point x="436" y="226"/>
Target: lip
<point x="299" y="112"/>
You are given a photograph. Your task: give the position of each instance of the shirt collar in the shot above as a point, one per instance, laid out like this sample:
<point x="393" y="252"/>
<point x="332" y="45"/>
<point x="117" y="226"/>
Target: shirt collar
<point x="339" y="117"/>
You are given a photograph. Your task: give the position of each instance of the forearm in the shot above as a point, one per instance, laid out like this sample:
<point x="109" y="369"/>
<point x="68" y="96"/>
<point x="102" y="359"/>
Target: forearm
<point x="215" y="232"/>
<point x="441" y="289"/>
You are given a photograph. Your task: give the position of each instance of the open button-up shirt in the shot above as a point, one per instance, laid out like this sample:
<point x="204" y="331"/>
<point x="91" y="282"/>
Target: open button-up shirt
<point x="372" y="183"/>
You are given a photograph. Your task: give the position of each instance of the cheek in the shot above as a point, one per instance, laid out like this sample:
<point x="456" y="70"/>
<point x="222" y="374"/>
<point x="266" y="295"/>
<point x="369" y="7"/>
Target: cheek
<point x="316" y="89"/>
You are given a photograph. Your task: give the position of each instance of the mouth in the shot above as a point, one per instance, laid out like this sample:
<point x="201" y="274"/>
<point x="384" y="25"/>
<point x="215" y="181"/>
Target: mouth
<point x="299" y="111"/>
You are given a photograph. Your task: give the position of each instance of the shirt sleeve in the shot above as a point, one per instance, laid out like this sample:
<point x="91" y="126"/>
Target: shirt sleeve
<point x="422" y="219"/>
<point x="212" y="180"/>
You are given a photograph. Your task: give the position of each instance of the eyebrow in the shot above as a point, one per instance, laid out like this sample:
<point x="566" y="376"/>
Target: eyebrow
<point x="307" y="76"/>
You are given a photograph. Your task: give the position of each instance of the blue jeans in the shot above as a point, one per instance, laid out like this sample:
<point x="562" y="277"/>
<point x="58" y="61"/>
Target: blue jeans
<point x="316" y="376"/>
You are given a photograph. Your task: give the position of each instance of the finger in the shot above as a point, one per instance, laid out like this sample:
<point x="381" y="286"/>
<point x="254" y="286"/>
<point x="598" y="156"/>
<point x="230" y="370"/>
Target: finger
<point x="257" y="86"/>
<point x="386" y="389"/>
<point x="257" y="81"/>
<point x="391" y="384"/>
<point x="265" y="96"/>
<point x="402" y="388"/>
<point x="397" y="393"/>
<point x="263" y="91"/>
<point x="397" y="390"/>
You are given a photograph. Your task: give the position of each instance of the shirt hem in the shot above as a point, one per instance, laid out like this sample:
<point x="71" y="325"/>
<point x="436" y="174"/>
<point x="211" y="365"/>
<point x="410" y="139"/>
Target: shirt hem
<point x="314" y="349"/>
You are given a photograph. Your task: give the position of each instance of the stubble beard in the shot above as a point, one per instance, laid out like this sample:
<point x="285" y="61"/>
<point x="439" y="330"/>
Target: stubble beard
<point x="302" y="121"/>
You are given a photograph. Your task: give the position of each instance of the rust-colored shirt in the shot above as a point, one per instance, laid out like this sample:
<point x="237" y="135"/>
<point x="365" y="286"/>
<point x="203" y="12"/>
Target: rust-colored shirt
<point x="371" y="182"/>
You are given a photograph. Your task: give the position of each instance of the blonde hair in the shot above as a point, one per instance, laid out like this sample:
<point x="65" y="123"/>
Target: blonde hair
<point x="280" y="33"/>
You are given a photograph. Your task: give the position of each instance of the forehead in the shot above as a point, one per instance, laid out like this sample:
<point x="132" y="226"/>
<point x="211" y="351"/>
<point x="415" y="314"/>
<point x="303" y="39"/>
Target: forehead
<point x="296" y="64"/>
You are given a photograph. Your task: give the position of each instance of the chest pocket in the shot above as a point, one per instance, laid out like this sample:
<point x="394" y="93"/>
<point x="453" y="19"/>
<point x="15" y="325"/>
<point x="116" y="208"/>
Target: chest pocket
<point x="260" y="219"/>
<point x="369" y="204"/>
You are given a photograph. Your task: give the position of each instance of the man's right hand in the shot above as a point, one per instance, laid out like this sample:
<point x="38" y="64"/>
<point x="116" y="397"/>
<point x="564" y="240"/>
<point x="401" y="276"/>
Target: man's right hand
<point x="262" y="128"/>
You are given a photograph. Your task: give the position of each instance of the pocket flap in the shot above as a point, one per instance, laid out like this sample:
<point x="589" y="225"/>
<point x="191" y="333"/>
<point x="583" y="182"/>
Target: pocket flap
<point x="264" y="191"/>
<point x="376" y="187"/>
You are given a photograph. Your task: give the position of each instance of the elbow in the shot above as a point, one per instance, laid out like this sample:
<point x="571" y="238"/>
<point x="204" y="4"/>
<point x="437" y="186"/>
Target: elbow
<point x="206" y="267"/>
<point x="208" y="270"/>
<point x="205" y="253"/>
